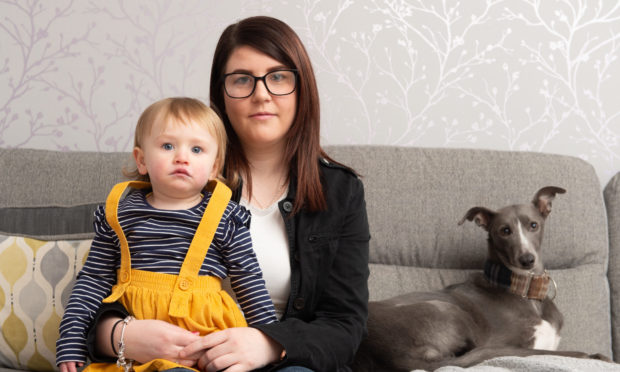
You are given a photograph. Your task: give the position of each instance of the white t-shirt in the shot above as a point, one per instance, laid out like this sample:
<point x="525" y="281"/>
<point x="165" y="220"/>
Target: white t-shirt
<point x="270" y="244"/>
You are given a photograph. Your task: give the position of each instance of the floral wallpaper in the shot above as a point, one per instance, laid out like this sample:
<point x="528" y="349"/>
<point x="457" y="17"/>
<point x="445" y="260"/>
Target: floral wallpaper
<point x="528" y="75"/>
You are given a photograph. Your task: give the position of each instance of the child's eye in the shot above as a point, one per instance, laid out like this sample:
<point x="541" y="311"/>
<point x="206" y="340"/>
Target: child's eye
<point x="167" y="146"/>
<point x="196" y="149"/>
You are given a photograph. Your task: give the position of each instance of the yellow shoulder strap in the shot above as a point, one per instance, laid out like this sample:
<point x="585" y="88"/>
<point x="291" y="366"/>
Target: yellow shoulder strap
<point x="199" y="246"/>
<point x="111" y="215"/>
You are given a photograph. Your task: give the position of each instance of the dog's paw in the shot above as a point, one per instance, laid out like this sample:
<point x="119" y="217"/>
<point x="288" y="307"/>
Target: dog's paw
<point x="602" y="357"/>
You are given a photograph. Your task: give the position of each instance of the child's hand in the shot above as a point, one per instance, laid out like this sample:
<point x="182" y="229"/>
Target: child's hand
<point x="70" y="366"/>
<point x="152" y="339"/>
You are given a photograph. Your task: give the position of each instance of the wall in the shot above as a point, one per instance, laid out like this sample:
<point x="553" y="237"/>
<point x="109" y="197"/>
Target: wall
<point x="511" y="75"/>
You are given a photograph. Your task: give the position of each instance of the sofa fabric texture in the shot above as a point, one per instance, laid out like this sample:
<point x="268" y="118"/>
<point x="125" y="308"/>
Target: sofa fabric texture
<point x="415" y="198"/>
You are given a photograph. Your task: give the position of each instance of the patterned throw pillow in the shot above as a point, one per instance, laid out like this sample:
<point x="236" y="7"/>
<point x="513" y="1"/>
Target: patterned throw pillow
<point x="36" y="278"/>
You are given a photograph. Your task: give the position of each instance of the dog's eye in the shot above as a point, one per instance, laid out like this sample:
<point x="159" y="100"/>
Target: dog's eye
<point x="505" y="231"/>
<point x="533" y="225"/>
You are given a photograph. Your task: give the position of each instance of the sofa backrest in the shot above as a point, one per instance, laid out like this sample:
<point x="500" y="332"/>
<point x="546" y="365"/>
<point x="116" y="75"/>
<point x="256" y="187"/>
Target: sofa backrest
<point x="53" y="192"/>
<point x="416" y="196"/>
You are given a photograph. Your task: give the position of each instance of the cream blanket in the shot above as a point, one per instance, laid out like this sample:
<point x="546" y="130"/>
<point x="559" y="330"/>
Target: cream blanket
<point x="536" y="363"/>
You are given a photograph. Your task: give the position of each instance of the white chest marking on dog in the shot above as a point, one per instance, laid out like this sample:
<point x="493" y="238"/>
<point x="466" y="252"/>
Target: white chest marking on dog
<point x="546" y="337"/>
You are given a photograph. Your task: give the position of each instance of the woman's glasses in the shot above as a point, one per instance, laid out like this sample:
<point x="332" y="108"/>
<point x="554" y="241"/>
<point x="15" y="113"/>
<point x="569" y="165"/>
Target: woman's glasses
<point x="278" y="83"/>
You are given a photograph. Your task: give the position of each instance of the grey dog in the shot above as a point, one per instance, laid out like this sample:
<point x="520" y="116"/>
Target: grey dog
<point x="505" y="310"/>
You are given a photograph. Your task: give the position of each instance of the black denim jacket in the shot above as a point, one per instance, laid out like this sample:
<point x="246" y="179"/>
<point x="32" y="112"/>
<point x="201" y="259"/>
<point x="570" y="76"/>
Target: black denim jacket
<point x="325" y="319"/>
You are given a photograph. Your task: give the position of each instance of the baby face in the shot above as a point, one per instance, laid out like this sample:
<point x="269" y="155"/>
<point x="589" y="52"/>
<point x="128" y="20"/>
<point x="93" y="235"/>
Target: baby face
<point x="180" y="158"/>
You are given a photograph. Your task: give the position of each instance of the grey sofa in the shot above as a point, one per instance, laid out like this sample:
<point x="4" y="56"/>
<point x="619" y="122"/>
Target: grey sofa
<point x="415" y="198"/>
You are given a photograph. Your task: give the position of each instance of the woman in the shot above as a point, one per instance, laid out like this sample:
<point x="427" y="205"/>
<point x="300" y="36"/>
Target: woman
<point x="314" y="253"/>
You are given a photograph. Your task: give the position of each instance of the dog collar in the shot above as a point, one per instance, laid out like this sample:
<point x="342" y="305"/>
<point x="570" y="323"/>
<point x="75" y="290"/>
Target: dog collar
<point x="527" y="286"/>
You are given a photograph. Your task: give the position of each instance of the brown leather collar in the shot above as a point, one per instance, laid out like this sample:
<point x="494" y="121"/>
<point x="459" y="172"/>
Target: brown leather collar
<point x="527" y="286"/>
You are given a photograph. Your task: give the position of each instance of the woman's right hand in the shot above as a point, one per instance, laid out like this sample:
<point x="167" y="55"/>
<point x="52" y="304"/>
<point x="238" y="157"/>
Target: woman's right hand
<point x="146" y="340"/>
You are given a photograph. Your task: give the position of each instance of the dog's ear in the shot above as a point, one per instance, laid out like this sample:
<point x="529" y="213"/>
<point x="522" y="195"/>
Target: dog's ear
<point x="543" y="198"/>
<point x="480" y="215"/>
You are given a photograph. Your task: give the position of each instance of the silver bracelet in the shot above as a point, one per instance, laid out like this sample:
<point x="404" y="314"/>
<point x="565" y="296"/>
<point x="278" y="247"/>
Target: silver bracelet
<point x="127" y="364"/>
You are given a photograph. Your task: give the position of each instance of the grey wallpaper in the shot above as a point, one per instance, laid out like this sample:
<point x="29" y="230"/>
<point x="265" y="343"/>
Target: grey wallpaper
<point x="528" y="75"/>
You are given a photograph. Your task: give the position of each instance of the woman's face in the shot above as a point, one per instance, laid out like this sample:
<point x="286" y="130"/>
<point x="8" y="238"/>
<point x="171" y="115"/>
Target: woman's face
<point x="260" y="120"/>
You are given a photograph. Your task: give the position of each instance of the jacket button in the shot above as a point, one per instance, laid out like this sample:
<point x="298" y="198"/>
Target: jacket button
<point x="287" y="206"/>
<point x="296" y="256"/>
<point x="299" y="303"/>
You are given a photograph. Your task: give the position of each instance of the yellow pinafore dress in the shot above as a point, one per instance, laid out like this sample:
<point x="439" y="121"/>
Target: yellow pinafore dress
<point x="196" y="303"/>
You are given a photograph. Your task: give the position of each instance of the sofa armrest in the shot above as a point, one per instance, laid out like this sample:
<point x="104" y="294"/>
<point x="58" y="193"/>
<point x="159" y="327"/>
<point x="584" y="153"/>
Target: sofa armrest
<point x="611" y="194"/>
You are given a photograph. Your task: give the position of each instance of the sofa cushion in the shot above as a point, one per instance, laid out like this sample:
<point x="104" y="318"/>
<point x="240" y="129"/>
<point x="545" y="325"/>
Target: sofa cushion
<point x="36" y="278"/>
<point x="49" y="222"/>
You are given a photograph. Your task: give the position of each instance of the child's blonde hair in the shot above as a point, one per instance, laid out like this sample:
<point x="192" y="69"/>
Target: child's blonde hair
<point x="181" y="110"/>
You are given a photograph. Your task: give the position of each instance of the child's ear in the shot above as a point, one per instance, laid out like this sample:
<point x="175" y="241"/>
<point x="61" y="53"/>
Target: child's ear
<point x="214" y="171"/>
<point x="138" y="156"/>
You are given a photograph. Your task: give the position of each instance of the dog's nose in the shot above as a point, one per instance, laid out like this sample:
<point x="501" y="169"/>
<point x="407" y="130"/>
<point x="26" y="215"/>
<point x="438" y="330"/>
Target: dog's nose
<point x="527" y="260"/>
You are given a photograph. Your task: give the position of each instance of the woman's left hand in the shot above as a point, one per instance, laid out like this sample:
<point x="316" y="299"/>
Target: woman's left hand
<point x="234" y="350"/>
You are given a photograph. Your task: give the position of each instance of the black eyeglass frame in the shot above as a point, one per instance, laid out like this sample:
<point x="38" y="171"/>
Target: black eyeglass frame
<point x="261" y="78"/>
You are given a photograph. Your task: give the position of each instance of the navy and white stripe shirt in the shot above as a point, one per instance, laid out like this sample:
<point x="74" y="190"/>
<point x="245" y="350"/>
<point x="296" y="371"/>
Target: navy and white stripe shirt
<point x="158" y="241"/>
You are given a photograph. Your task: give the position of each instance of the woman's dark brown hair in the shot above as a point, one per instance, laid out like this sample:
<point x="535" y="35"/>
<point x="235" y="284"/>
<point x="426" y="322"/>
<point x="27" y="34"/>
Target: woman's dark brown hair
<point x="303" y="149"/>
